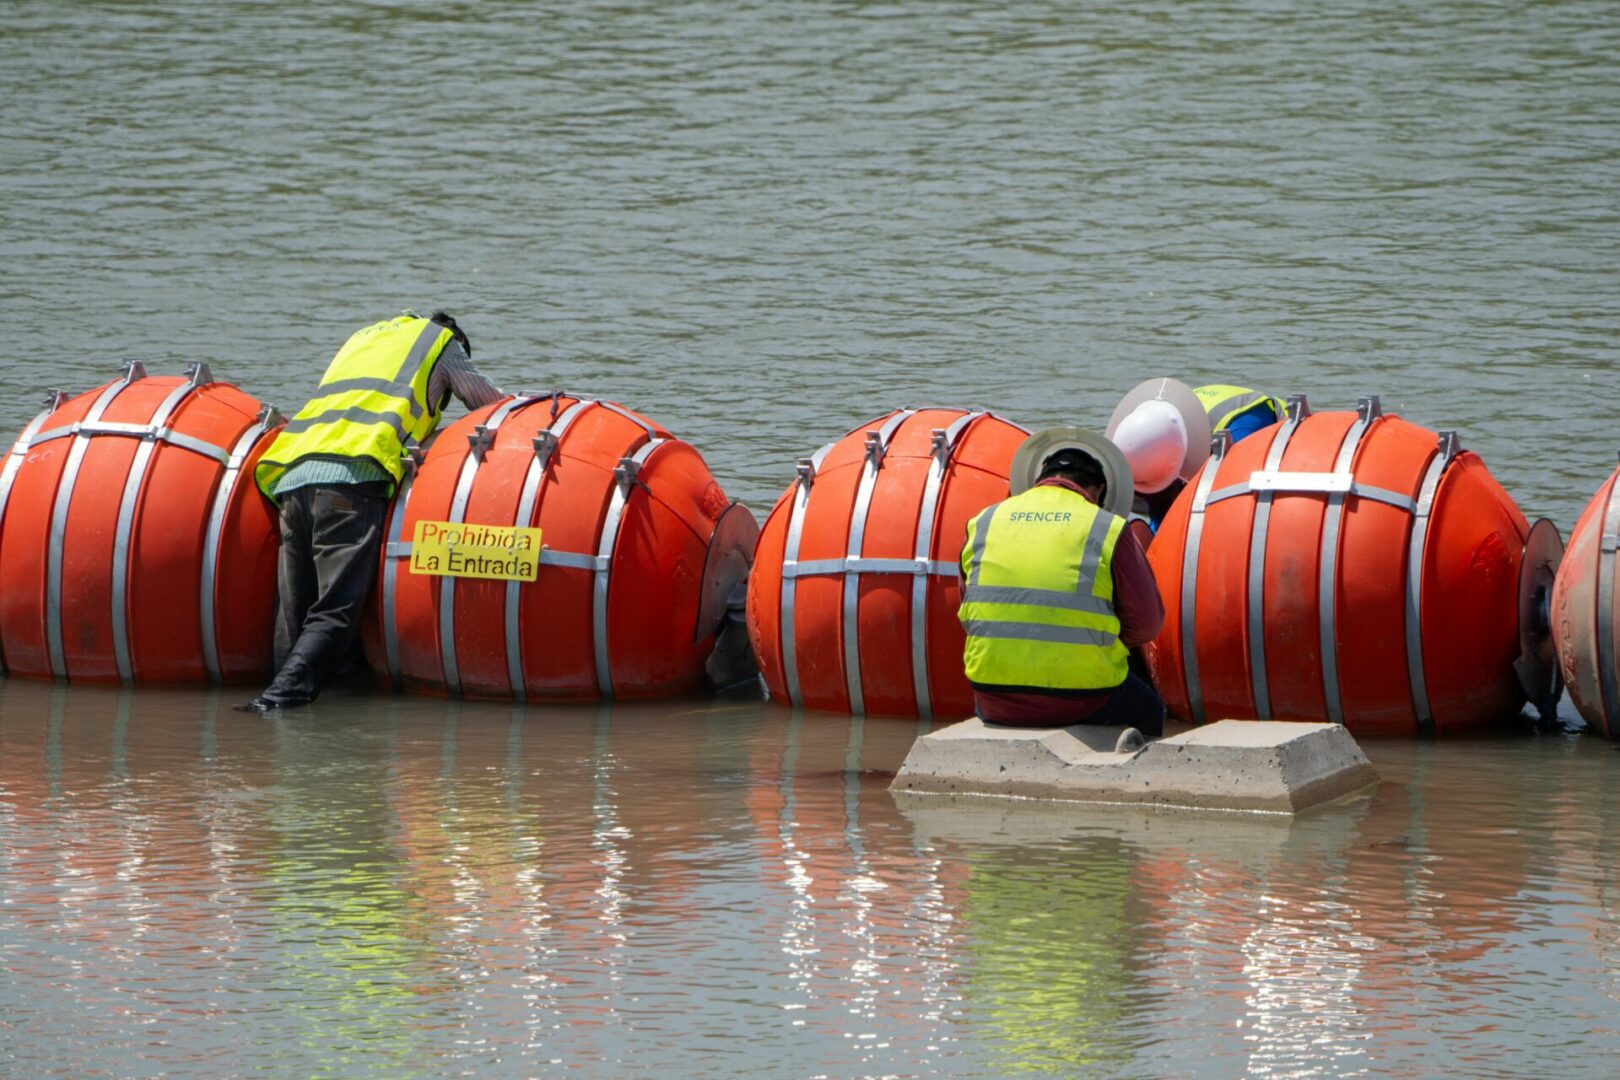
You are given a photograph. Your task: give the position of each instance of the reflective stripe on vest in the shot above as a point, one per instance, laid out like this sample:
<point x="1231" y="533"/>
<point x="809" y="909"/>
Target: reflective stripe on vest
<point x="1038" y="593"/>
<point x="372" y="400"/>
<point x="1225" y="404"/>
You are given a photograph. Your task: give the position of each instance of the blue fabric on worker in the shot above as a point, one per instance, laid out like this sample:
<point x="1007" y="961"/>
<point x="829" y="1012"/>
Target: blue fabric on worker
<point x="1250" y="422"/>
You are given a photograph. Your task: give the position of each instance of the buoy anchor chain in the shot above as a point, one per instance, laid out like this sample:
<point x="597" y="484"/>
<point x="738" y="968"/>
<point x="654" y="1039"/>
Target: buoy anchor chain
<point x="1537" y="666"/>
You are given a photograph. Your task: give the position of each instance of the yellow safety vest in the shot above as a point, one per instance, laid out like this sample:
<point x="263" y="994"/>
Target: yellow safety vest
<point x="1226" y="403"/>
<point x="1038" y="593"/>
<point x="372" y="399"/>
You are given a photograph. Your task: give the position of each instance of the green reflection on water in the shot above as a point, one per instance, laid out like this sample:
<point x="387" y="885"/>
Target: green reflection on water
<point x="1051" y="949"/>
<point x="354" y="965"/>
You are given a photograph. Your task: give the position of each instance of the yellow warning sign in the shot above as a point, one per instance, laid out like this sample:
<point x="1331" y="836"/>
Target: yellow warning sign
<point x="499" y="552"/>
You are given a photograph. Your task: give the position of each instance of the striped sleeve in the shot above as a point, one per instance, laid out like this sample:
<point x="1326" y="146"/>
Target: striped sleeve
<point x="455" y="374"/>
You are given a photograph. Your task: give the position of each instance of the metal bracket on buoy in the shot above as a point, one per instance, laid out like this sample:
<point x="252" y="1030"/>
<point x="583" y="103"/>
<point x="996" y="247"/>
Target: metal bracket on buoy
<point x="54" y="398"/>
<point x="199" y="373"/>
<point x="270" y="416"/>
<point x="626" y="473"/>
<point x="1369" y="408"/>
<point x="545" y="444"/>
<point x="411" y="459"/>
<point x="938" y="445"/>
<point x="807" y="471"/>
<point x="132" y="370"/>
<point x="481" y="438"/>
<point x="1297" y="408"/>
<point x="1450" y="445"/>
<point x="875" y="447"/>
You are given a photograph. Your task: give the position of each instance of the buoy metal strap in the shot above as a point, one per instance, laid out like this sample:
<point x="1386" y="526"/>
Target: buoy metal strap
<point x="942" y="447"/>
<point x="626" y="481"/>
<point x="1218" y="447"/>
<point x="126" y="520"/>
<point x="547" y="442"/>
<point x="795" y="535"/>
<point x="481" y="438"/>
<point x="825" y="567"/>
<point x="1298" y="409"/>
<point x="268" y="418"/>
<point x="877" y="444"/>
<point x="1446" y="452"/>
<point x="1367" y="412"/>
<point x="411" y="460"/>
<point x="134" y="371"/>
<point x="1608" y="546"/>
<point x="14" y="460"/>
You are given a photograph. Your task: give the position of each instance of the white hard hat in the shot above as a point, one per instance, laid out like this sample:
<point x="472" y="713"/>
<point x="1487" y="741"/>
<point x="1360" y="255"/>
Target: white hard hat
<point x="1153" y="439"/>
<point x="1163" y="430"/>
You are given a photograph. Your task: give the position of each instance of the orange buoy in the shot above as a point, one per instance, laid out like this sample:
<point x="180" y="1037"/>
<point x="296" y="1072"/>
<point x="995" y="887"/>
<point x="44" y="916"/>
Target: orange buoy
<point x="633" y="527"/>
<point x="852" y="599"/>
<point x="134" y="546"/>
<point x="1349" y="567"/>
<point x="1583" y="610"/>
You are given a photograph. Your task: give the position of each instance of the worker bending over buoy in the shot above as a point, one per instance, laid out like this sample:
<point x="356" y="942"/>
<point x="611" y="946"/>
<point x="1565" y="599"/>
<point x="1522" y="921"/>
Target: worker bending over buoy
<point x="331" y="472"/>
<point x="1163" y="427"/>
<point x="1057" y="591"/>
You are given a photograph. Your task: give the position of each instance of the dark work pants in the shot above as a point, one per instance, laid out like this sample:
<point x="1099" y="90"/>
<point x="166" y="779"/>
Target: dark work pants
<point x="1134" y="703"/>
<point x="331" y="536"/>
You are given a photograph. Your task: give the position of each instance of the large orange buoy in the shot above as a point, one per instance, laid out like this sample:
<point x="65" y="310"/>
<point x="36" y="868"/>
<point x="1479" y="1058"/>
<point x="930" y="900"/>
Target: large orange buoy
<point x="640" y="548"/>
<point x="134" y="546"/>
<point x="852" y="599"/>
<point x="1583" y="611"/>
<point x="1350" y="567"/>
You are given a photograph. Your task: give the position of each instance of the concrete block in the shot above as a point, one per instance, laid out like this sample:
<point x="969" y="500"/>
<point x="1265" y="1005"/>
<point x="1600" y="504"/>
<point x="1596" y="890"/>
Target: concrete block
<point x="1252" y="765"/>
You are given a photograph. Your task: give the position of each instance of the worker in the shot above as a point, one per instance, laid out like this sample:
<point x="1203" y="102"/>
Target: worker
<point x="1164" y="427"/>
<point x="331" y="472"/>
<point x="1056" y="592"/>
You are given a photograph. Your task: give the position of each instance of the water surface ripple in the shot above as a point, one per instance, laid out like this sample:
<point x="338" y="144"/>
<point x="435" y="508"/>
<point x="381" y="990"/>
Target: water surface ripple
<point x="762" y="223"/>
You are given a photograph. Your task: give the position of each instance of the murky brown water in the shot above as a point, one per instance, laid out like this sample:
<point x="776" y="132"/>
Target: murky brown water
<point x="761" y="223"/>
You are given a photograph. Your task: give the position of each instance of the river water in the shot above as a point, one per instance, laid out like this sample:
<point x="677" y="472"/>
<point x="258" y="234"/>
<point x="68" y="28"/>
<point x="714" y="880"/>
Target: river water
<point x="760" y="224"/>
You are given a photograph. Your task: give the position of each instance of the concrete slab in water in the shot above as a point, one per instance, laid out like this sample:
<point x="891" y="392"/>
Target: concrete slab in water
<point x="1231" y="765"/>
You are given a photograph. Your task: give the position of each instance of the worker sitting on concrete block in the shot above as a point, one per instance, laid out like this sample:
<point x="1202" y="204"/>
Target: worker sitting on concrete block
<point x="1056" y="592"/>
<point x="332" y="471"/>
<point x="1163" y="427"/>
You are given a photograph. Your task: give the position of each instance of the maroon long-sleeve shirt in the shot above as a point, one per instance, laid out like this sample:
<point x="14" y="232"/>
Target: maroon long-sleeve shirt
<point x="1141" y="615"/>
